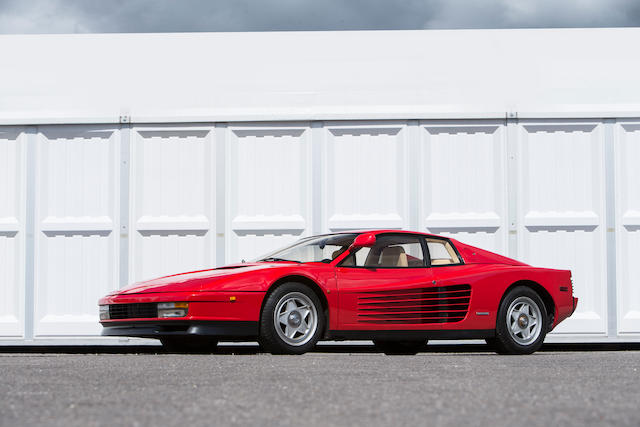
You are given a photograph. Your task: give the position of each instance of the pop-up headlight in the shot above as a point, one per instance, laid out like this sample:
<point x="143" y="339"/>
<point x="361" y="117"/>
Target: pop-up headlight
<point x="173" y="309"/>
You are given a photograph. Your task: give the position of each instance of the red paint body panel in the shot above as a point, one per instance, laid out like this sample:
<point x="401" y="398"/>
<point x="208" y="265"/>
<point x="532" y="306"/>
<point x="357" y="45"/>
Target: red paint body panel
<point x="248" y="283"/>
<point x="202" y="305"/>
<point x="473" y="255"/>
<point x="348" y="291"/>
<point x="489" y="283"/>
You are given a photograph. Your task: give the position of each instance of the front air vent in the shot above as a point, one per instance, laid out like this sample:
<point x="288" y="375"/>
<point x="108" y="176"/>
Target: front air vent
<point x="443" y="304"/>
<point x="133" y="311"/>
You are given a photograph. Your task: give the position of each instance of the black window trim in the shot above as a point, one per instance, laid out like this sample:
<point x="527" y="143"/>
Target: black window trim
<point x="447" y="241"/>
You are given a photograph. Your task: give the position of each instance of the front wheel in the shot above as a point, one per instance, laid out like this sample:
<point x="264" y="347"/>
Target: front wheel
<point x="292" y="320"/>
<point x="400" y="347"/>
<point x="522" y="322"/>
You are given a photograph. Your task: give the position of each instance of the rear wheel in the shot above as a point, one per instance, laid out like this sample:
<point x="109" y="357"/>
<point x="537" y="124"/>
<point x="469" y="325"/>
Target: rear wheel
<point x="400" y="347"/>
<point x="292" y="320"/>
<point x="195" y="344"/>
<point x="522" y="322"/>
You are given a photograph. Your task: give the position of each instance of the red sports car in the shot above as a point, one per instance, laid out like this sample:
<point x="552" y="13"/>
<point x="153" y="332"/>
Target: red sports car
<point x="396" y="288"/>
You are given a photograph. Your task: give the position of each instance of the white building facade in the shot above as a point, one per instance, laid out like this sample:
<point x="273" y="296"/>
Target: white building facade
<point x="125" y="157"/>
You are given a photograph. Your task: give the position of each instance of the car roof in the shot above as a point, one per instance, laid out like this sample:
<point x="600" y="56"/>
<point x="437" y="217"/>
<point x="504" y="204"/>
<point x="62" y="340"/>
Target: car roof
<point x="380" y="231"/>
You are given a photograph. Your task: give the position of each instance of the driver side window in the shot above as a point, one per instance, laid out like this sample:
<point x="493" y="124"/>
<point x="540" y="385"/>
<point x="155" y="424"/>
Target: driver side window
<point x="390" y="251"/>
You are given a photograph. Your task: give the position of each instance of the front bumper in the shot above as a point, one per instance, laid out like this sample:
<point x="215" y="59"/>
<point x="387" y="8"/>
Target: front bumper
<point x="158" y="329"/>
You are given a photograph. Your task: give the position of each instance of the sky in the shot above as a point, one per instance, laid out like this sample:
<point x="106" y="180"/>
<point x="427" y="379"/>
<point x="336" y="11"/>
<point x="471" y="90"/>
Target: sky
<point x="108" y="16"/>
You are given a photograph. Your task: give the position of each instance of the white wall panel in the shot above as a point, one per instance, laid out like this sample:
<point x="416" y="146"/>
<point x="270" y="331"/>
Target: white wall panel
<point x="366" y="176"/>
<point x="627" y="160"/>
<point x="173" y="200"/>
<point x="463" y="182"/>
<point x="561" y="215"/>
<point x="12" y="230"/>
<point x="77" y="211"/>
<point x="268" y="188"/>
<point x="244" y="189"/>
<point x="324" y="75"/>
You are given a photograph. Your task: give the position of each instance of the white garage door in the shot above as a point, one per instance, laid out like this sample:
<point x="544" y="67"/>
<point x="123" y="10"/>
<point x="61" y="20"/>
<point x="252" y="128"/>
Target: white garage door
<point x="85" y="209"/>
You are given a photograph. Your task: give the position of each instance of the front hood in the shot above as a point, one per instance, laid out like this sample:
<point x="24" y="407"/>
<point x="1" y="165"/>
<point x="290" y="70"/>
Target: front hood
<point x="194" y="281"/>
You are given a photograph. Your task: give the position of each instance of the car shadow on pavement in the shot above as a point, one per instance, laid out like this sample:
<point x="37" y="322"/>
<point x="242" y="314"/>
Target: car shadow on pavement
<point x="336" y="348"/>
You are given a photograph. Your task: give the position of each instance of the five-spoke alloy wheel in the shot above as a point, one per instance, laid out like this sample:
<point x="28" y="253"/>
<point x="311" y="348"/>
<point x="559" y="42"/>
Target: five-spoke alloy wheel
<point x="295" y="318"/>
<point x="292" y="319"/>
<point x="522" y="322"/>
<point x="525" y="320"/>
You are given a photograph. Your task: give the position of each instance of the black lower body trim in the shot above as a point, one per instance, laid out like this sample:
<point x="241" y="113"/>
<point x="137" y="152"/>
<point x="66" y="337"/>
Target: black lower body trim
<point x="412" y="335"/>
<point x="155" y="329"/>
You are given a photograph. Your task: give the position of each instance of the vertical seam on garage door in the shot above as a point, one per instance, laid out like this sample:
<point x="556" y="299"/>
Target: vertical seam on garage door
<point x="125" y="168"/>
<point x="317" y="162"/>
<point x="610" y="209"/>
<point x="220" y="196"/>
<point x="413" y="152"/>
<point x="30" y="224"/>
<point x="511" y="140"/>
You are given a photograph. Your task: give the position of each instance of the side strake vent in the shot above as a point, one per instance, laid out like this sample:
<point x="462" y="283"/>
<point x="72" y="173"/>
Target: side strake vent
<point x="443" y="304"/>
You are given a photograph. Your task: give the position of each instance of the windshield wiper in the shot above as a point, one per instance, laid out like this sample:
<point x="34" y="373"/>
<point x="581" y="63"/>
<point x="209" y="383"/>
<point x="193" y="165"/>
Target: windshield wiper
<point x="272" y="259"/>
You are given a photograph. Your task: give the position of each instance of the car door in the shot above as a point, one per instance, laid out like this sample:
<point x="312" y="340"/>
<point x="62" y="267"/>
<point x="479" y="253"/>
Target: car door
<point x="380" y="287"/>
<point x="451" y="277"/>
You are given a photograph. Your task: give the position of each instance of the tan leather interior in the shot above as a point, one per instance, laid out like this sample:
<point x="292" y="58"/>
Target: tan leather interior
<point x="347" y="262"/>
<point x="453" y="257"/>
<point x="393" y="256"/>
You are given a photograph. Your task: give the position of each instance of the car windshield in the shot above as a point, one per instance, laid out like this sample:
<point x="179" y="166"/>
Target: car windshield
<point x="312" y="249"/>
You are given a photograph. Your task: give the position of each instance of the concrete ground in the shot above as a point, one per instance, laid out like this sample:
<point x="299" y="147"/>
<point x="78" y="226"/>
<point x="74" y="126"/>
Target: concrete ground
<point x="336" y="385"/>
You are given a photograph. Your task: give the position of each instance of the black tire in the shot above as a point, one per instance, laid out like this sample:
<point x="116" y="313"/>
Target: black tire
<point x="493" y="345"/>
<point x="194" y="344"/>
<point x="506" y="342"/>
<point x="276" y="341"/>
<point x="491" y="342"/>
<point x="400" y="347"/>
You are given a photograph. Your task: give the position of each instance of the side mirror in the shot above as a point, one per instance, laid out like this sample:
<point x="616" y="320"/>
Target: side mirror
<point x="365" y="240"/>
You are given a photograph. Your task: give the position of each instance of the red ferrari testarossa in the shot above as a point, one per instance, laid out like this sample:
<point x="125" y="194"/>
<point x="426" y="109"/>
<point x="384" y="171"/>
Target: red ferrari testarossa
<point x="396" y="288"/>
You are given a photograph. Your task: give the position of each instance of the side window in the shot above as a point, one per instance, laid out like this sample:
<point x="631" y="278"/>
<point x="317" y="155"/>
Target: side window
<point x="390" y="251"/>
<point x="441" y="252"/>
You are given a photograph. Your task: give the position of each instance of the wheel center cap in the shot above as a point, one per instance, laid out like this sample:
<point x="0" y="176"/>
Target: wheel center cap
<point x="523" y="321"/>
<point x="294" y="318"/>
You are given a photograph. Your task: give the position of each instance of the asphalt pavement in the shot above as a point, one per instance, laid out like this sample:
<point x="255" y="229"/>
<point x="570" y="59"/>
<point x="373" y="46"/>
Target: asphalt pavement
<point x="336" y="385"/>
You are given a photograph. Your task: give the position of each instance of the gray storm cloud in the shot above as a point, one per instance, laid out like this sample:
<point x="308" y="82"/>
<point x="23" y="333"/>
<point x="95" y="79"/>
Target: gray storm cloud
<point x="77" y="16"/>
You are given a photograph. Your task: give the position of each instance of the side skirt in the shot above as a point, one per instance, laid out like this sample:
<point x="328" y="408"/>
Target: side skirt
<point x="413" y="335"/>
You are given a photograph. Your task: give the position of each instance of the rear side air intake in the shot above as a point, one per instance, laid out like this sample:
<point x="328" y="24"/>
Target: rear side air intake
<point x="443" y="304"/>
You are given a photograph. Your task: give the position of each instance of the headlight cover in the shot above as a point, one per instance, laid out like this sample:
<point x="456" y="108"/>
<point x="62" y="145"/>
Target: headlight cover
<point x="173" y="309"/>
<point x="104" y="312"/>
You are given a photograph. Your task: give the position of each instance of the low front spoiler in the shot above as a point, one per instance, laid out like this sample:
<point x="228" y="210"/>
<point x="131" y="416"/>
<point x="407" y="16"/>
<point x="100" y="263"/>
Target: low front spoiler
<point x="156" y="329"/>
